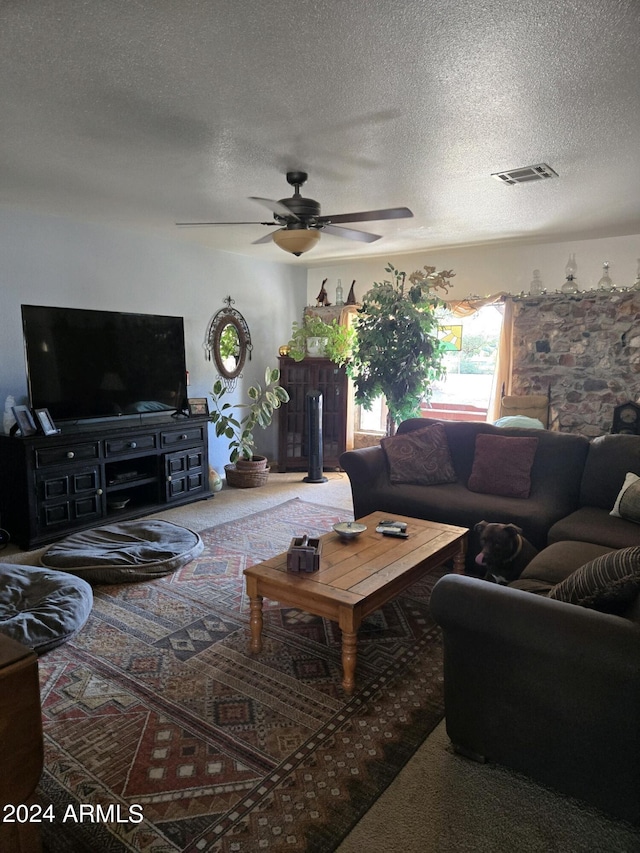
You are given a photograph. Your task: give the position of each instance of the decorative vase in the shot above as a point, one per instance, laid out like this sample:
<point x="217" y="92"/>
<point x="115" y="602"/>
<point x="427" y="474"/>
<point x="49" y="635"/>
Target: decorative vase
<point x="316" y="347"/>
<point x="215" y="480"/>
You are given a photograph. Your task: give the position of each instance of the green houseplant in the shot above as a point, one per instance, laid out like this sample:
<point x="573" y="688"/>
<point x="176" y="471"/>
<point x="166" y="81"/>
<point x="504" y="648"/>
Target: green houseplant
<point x="237" y="422"/>
<point x="397" y="352"/>
<point x="338" y="339"/>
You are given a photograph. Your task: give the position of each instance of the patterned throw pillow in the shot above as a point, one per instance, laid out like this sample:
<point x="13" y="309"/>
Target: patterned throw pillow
<point x="421" y="457"/>
<point x="610" y="583"/>
<point x="627" y="503"/>
<point x="502" y="465"/>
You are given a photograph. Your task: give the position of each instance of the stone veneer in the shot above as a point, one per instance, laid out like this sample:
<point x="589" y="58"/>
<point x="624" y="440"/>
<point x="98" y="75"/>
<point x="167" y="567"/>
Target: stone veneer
<point x="584" y="348"/>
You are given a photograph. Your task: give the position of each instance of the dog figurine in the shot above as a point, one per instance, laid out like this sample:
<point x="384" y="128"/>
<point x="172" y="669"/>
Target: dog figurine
<point x="505" y="552"/>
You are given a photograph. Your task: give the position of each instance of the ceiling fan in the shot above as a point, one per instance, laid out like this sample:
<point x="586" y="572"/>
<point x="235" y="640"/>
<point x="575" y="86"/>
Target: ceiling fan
<point x="301" y="223"/>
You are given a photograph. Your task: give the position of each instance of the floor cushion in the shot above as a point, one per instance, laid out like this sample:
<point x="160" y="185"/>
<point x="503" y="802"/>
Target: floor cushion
<point x="41" y="608"/>
<point x="130" y="551"/>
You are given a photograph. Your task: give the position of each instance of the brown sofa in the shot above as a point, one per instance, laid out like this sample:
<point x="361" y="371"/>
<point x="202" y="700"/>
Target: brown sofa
<point x="549" y="689"/>
<point x="555" y="483"/>
<point x="574" y="484"/>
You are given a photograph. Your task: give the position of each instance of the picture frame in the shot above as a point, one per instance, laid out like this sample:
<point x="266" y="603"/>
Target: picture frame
<point x="198" y="406"/>
<point x="24" y="420"/>
<point x="45" y="422"/>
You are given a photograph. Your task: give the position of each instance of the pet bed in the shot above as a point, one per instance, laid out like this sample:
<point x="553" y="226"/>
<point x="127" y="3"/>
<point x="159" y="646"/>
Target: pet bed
<point x="41" y="608"/>
<point x="126" y="552"/>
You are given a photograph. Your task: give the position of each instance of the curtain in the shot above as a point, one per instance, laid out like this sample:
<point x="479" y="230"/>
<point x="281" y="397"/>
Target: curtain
<point x="504" y="362"/>
<point x="467" y="307"/>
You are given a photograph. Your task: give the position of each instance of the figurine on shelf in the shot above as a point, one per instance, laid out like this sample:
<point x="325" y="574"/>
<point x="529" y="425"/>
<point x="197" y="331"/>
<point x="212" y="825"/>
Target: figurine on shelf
<point x="351" y="298"/>
<point x="322" y="299"/>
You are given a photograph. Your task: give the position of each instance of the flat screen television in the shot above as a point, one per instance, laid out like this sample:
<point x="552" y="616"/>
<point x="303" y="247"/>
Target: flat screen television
<point x="85" y="364"/>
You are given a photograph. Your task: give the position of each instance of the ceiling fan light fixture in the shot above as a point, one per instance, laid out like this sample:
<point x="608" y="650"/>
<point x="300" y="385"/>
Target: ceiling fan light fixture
<point x="296" y="241"/>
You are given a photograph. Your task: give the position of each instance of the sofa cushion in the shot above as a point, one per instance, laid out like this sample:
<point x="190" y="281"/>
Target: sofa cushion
<point x="627" y="503"/>
<point x="519" y="421"/>
<point x="421" y="457"/>
<point x="609" y="459"/>
<point x="592" y="524"/>
<point x="555" y="563"/>
<point x="502" y="465"/>
<point x="609" y="583"/>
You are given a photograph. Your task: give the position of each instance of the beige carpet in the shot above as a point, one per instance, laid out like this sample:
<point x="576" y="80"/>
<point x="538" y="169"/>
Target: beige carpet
<point x="440" y="802"/>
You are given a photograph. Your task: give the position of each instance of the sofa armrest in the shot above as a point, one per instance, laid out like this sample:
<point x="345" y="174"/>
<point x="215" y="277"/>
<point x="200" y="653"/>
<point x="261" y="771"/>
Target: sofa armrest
<point x="365" y="464"/>
<point x="549" y="689"/>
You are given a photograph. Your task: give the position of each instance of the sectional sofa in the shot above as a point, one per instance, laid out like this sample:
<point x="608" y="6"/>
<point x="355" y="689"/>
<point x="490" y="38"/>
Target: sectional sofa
<point x="542" y="675"/>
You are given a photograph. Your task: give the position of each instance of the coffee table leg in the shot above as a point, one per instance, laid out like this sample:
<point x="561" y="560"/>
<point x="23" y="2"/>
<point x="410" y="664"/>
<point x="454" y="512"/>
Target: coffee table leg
<point x="459" y="559"/>
<point x="349" y="647"/>
<point x="255" y="621"/>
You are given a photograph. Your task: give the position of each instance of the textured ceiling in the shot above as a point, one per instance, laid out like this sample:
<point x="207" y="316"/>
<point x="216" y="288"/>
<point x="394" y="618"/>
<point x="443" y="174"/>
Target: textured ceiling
<point x="148" y="112"/>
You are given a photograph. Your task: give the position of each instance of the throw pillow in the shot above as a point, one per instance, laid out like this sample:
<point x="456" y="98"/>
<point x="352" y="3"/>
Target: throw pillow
<point x="420" y="457"/>
<point x="502" y="465"/>
<point x="610" y="583"/>
<point x="627" y="503"/>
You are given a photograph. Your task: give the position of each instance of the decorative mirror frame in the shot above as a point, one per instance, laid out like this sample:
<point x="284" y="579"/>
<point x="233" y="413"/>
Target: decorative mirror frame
<point x="218" y="323"/>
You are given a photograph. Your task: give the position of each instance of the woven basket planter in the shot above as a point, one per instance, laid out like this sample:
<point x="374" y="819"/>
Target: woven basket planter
<point x="256" y="463"/>
<point x="246" y="479"/>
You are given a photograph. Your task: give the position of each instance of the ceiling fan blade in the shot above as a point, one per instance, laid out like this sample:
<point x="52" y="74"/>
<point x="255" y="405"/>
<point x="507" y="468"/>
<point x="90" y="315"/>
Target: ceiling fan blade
<point x="369" y="215"/>
<point x="350" y="233"/>
<point x="196" y="224"/>
<point x="267" y="237"/>
<point x="275" y="207"/>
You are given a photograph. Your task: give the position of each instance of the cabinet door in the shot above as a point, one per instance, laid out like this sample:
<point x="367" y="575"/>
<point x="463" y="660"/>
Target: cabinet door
<point x="331" y="382"/>
<point x="296" y="377"/>
<point x="184" y="473"/>
<point x="69" y="497"/>
<point x="312" y="374"/>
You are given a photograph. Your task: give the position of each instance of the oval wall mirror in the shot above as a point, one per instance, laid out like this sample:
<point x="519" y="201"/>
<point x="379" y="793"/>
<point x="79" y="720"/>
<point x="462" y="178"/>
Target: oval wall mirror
<point x="228" y="340"/>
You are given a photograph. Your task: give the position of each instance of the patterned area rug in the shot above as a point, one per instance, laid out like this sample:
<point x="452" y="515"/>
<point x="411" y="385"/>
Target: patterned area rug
<point x="163" y="734"/>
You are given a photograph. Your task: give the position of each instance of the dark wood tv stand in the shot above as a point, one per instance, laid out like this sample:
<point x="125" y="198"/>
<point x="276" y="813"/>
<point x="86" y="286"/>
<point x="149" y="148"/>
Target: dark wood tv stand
<point x="96" y="473"/>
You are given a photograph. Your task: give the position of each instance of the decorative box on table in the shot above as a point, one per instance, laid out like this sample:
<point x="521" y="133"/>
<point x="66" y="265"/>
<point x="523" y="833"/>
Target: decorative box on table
<point x="304" y="554"/>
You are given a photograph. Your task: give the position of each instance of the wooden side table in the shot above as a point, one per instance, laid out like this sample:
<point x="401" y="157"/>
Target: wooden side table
<point x="21" y="744"/>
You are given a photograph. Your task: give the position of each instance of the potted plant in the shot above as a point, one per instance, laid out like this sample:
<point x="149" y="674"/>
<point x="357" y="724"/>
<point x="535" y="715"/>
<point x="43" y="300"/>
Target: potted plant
<point x="238" y="428"/>
<point x="397" y="352"/>
<point x="314" y="337"/>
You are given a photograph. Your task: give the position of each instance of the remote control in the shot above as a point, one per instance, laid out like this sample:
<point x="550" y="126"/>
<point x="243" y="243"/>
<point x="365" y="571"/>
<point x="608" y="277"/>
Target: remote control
<point x="393" y="531"/>
<point x="393" y="525"/>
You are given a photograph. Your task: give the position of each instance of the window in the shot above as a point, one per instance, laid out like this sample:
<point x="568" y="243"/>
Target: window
<point x="469" y="378"/>
<point x="465" y="392"/>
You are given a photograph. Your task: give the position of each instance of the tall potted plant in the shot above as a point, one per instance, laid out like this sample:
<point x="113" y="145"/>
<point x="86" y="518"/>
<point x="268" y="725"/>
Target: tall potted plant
<point x="397" y="352"/>
<point x="245" y="467"/>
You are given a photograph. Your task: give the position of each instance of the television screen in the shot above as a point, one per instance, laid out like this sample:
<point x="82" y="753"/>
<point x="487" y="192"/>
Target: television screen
<point x="96" y="364"/>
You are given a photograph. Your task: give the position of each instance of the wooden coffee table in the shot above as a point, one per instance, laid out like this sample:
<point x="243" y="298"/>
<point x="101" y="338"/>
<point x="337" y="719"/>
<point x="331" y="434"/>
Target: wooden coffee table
<point x="355" y="577"/>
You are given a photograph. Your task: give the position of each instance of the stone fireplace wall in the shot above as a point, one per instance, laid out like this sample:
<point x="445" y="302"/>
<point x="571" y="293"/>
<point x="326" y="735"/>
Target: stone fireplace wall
<point x="585" y="349"/>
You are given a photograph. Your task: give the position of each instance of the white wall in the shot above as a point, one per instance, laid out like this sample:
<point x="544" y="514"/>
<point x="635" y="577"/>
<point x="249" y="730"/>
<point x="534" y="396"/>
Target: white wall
<point x="491" y="268"/>
<point x="49" y="260"/>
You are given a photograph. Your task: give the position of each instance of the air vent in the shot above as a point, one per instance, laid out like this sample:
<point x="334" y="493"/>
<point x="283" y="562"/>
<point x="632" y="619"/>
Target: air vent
<point x="526" y="174"/>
